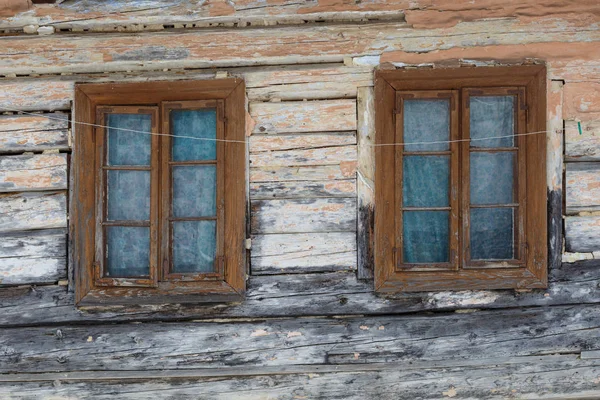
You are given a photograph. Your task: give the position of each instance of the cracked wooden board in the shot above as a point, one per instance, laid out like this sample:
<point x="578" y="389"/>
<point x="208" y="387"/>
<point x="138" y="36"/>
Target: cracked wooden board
<point x="34" y="210"/>
<point x="19" y="133"/>
<point x="33" y="172"/>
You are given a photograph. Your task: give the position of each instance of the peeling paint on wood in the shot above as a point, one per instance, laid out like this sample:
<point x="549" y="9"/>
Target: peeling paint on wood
<point x="582" y="234"/>
<point x="337" y="155"/>
<point x="310" y="173"/>
<point x="33" y="172"/>
<point x="302" y="189"/>
<point x="260" y="143"/>
<point x="585" y="146"/>
<point x="29" y="211"/>
<point x="33" y="132"/>
<point x="583" y="187"/>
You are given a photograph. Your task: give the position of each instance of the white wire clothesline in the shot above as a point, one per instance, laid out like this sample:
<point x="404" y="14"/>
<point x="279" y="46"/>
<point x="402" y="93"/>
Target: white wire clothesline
<point x="243" y="141"/>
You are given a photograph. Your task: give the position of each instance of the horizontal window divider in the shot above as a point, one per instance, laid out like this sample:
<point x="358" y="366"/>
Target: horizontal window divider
<point x="127" y="223"/>
<point x="426" y="208"/>
<point x="426" y="153"/>
<point x="195" y="162"/>
<point x="493" y="149"/>
<point x="126" y="168"/>
<point x="183" y="219"/>
<point x="511" y="205"/>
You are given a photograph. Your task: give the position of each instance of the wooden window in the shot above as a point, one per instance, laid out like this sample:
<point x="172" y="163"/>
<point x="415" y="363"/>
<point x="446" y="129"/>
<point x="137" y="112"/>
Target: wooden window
<point x="460" y="184"/>
<point x="157" y="213"/>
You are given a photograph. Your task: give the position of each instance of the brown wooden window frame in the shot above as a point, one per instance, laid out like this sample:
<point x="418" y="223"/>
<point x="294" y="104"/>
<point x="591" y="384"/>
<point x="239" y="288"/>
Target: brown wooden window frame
<point x="88" y="204"/>
<point x="529" y="268"/>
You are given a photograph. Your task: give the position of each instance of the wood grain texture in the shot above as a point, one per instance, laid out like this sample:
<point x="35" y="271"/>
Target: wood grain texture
<point x="20" y="133"/>
<point x="540" y="377"/>
<point x="320" y="156"/>
<point x="33" y="172"/>
<point x="29" y="211"/>
<point x="584" y="146"/>
<point x="263" y="143"/>
<point x="313" y="116"/>
<point x="303" y="252"/>
<point x="582" y="234"/>
<point x="33" y="257"/>
<point x="293" y="341"/>
<point x="583" y="187"/>
<point x="582" y="100"/>
<point x="300" y="173"/>
<point x="302" y="189"/>
<point x="303" y="215"/>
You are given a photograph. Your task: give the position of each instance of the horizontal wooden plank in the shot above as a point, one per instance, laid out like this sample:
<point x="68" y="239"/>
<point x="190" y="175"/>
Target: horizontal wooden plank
<point x="345" y="170"/>
<point x="302" y="189"/>
<point x="33" y="172"/>
<point x="539" y="377"/>
<point x="292" y="341"/>
<point x="583" y="187"/>
<point x="582" y="234"/>
<point x="20" y="133"/>
<point x="304" y="116"/>
<point x="581" y="100"/>
<point x="303" y="215"/>
<point x="584" y="146"/>
<point x="26" y="211"/>
<point x="338" y="293"/>
<point x="300" y="253"/>
<point x="290" y="44"/>
<point x="33" y="257"/>
<point x="319" y="156"/>
<point x="262" y="143"/>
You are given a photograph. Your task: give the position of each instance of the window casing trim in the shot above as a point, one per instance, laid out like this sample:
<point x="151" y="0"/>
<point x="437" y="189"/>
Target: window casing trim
<point x="83" y="206"/>
<point x="387" y="83"/>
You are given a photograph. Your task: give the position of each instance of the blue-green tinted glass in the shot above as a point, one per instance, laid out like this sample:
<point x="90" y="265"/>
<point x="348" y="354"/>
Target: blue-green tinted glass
<point x="426" y="237"/>
<point x="426" y="121"/>
<point x="198" y="124"/>
<point x="195" y="191"/>
<point x="492" y="233"/>
<point x="425" y="181"/>
<point x="128" y="251"/>
<point x="492" y="116"/>
<point x="128" y="195"/>
<point x="194" y="246"/>
<point x="126" y="147"/>
<point x="492" y="178"/>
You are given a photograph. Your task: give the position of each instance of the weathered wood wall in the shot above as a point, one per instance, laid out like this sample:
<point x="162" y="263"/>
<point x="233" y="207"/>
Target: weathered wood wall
<point x="311" y="326"/>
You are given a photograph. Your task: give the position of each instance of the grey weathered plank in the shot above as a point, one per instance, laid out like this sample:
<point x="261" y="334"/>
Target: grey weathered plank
<point x="540" y="377"/>
<point x="261" y="143"/>
<point x="33" y="257"/>
<point x="582" y="234"/>
<point x="303" y="215"/>
<point x="37" y="172"/>
<point x="584" y="146"/>
<point x="583" y="187"/>
<point x="304" y="116"/>
<point x="344" y="170"/>
<point x="300" y="295"/>
<point x="320" y="156"/>
<point x="33" y="132"/>
<point x="291" y="341"/>
<point x="304" y="252"/>
<point x="25" y="211"/>
<point x="302" y="189"/>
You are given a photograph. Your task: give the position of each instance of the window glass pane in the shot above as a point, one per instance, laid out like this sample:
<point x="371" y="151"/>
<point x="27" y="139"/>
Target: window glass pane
<point x="125" y="147"/>
<point x="425" y="181"/>
<point x="128" y="195"/>
<point x="127" y="251"/>
<point x="194" y="246"/>
<point x="492" y="116"/>
<point x="425" y="238"/>
<point x="194" y="191"/>
<point x="426" y="121"/>
<point x="197" y="124"/>
<point x="492" y="177"/>
<point x="492" y="233"/>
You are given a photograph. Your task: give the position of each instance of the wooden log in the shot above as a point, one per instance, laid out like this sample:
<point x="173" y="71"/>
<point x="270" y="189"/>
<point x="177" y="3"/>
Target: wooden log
<point x="302" y="189"/>
<point x="20" y="133"/>
<point x="338" y="293"/>
<point x="300" y="116"/>
<point x="584" y="146"/>
<point x="320" y="156"/>
<point x="262" y="143"/>
<point x="292" y="341"/>
<point x="26" y="211"/>
<point x="582" y="100"/>
<point x="33" y="257"/>
<point x="540" y="377"/>
<point x="303" y="215"/>
<point x="583" y="187"/>
<point x="33" y="172"/>
<point x="310" y="173"/>
<point x="582" y="234"/>
<point x="304" y="44"/>
<point x="303" y="252"/>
